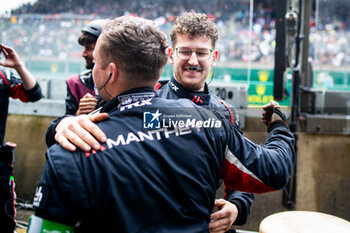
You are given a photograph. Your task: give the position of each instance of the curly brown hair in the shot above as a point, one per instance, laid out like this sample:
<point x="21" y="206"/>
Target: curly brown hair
<point x="194" y="24"/>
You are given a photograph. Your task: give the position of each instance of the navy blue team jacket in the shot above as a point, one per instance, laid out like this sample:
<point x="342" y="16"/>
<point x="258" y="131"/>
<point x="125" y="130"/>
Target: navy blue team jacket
<point x="162" y="179"/>
<point x="173" y="90"/>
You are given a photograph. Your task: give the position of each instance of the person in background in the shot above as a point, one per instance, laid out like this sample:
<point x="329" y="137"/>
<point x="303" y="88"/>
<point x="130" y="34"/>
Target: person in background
<point x="81" y="92"/>
<point x="153" y="177"/>
<point x="81" y="96"/>
<point x="27" y="89"/>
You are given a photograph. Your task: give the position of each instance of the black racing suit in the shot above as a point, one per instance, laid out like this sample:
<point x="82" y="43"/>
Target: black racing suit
<point x="10" y="86"/>
<point x="173" y="90"/>
<point x="160" y="179"/>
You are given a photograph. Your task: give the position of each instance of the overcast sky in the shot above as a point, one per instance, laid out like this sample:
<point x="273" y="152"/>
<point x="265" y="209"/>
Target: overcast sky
<point x="7" y="5"/>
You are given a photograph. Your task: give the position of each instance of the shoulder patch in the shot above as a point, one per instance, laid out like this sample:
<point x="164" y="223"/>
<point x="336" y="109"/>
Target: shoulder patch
<point x="41" y="195"/>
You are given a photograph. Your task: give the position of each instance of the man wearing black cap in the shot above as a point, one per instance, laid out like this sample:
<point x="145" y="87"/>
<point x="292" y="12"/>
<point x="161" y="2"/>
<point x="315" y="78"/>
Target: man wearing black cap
<point x="80" y="88"/>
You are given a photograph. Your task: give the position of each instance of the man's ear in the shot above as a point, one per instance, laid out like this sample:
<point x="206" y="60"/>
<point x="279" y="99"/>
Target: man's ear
<point x="215" y="57"/>
<point x="114" y="71"/>
<point x="170" y="55"/>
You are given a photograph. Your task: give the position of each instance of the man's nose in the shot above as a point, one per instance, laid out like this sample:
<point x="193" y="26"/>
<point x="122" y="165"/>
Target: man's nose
<point x="193" y="60"/>
<point x="84" y="53"/>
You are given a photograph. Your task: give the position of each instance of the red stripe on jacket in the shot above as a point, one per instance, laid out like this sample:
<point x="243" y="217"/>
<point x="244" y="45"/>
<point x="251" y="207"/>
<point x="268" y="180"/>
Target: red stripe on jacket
<point x="237" y="179"/>
<point x="16" y="91"/>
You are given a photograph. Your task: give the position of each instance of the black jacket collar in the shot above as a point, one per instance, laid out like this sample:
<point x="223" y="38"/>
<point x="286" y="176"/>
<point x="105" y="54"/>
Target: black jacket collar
<point x="200" y="98"/>
<point x="130" y="96"/>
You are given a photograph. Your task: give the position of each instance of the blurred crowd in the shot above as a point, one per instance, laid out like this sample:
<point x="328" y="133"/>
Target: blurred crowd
<point x="51" y="27"/>
<point x="143" y="8"/>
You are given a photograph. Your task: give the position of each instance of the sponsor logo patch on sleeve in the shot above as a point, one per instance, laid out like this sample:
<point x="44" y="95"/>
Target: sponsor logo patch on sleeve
<point x="41" y="194"/>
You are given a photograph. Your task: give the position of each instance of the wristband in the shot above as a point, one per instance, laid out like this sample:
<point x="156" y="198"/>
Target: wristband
<point x="280" y="114"/>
